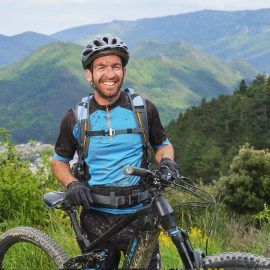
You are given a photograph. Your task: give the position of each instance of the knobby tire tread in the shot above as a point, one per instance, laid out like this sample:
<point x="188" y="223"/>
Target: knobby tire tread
<point x="33" y="236"/>
<point x="237" y="261"/>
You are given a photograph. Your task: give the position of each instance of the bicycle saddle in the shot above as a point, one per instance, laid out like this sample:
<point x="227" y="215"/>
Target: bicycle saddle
<point x="55" y="199"/>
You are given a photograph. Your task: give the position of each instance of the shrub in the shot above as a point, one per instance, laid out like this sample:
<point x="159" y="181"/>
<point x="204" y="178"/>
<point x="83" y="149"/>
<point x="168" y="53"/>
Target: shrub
<point x="21" y="189"/>
<point x="247" y="186"/>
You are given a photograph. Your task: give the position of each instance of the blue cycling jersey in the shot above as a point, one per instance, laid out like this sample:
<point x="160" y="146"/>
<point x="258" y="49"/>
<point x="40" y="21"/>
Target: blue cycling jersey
<point x="109" y="155"/>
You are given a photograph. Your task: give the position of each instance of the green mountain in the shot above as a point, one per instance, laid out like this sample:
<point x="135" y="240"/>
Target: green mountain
<point x="35" y="98"/>
<point x="16" y="47"/>
<point x="176" y="76"/>
<point x="207" y="137"/>
<point x="231" y="35"/>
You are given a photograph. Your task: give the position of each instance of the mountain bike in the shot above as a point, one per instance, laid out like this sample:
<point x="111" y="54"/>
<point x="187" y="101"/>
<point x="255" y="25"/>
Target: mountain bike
<point x="155" y="215"/>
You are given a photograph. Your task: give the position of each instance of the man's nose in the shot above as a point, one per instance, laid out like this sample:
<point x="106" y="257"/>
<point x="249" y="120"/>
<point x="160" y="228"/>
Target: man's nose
<point x="109" y="72"/>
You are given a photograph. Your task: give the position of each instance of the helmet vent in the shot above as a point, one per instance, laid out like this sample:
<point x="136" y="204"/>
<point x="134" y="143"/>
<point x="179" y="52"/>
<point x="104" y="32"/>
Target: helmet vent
<point x="97" y="43"/>
<point x="114" y="41"/>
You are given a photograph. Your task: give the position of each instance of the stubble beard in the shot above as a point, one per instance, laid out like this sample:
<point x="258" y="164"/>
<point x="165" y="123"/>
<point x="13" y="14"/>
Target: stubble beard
<point x="103" y="95"/>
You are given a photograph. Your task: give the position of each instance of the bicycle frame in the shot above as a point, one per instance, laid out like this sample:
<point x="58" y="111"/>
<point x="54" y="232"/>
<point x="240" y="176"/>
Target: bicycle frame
<point x="156" y="213"/>
<point x="150" y="218"/>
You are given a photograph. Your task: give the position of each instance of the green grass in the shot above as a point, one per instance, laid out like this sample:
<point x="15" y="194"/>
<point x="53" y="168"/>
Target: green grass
<point x="22" y="256"/>
<point x="169" y="255"/>
<point x="27" y="256"/>
<point x="228" y="234"/>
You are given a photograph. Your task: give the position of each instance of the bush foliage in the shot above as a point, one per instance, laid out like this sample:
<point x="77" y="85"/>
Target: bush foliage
<point x="22" y="189"/>
<point x="247" y="186"/>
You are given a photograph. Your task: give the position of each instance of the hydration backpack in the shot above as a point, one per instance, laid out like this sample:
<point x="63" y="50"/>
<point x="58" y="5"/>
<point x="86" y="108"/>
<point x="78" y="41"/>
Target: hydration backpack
<point x="81" y="113"/>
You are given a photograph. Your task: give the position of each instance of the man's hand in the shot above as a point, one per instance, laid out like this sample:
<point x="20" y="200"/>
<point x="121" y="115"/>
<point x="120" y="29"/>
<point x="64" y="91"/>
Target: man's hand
<point x="169" y="170"/>
<point x="79" y="193"/>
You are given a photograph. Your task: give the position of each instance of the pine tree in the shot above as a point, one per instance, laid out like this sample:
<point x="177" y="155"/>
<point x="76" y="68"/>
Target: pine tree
<point x="242" y="87"/>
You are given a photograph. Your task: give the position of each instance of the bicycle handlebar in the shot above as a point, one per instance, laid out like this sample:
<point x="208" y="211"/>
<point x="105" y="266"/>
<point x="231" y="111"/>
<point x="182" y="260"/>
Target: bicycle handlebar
<point x="180" y="183"/>
<point x="137" y="171"/>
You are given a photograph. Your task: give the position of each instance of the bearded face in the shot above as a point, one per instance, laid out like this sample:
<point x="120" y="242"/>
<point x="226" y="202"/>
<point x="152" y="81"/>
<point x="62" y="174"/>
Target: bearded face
<point x="107" y="77"/>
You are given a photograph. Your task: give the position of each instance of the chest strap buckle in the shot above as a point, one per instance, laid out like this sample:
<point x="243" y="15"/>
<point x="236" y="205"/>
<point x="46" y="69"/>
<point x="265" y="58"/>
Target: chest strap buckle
<point x="110" y="132"/>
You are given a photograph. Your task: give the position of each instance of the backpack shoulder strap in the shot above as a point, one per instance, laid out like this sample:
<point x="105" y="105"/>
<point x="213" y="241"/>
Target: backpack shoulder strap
<point x="140" y="112"/>
<point x="81" y="113"/>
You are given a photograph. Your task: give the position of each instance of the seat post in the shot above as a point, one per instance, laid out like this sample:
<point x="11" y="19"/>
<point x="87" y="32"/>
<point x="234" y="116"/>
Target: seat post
<point x="82" y="239"/>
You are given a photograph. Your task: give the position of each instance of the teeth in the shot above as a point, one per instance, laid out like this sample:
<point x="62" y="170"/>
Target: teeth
<point x="108" y="83"/>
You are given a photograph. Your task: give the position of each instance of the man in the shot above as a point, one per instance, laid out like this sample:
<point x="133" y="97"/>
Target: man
<point x="104" y="60"/>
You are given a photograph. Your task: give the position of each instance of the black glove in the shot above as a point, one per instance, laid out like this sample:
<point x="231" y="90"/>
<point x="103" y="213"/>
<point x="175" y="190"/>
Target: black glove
<point x="168" y="169"/>
<point x="79" y="193"/>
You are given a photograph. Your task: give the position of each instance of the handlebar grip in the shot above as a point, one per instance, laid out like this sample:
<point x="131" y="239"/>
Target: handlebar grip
<point x="137" y="171"/>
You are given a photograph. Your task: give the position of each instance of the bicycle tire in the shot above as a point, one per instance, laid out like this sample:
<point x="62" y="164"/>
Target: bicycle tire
<point x="236" y="261"/>
<point x="36" y="238"/>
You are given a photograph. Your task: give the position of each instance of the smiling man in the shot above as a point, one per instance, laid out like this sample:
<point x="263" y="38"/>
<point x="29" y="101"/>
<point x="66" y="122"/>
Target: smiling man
<point x="117" y="139"/>
<point x="107" y="75"/>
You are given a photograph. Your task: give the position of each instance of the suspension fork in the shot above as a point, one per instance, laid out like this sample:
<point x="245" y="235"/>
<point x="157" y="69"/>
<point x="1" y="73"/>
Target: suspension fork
<point x="179" y="236"/>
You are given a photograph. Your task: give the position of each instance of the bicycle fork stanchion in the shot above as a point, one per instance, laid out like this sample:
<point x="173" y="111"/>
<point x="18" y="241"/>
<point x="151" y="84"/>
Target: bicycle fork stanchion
<point x="183" y="246"/>
<point x="179" y="237"/>
<point x="83" y="242"/>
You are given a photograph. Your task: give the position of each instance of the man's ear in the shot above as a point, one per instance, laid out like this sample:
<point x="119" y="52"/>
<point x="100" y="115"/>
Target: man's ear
<point x="88" y="75"/>
<point x="124" y="71"/>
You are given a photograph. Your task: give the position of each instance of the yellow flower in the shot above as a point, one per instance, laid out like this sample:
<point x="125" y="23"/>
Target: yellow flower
<point x="196" y="236"/>
<point x="165" y="239"/>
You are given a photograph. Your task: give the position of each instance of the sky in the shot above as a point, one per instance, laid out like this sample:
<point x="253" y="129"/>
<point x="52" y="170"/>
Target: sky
<point x="50" y="16"/>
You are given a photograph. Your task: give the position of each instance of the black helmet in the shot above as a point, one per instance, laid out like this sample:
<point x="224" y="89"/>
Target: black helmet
<point x="104" y="45"/>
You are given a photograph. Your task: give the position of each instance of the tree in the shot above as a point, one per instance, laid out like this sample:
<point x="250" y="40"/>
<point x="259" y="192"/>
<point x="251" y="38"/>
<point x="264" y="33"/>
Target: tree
<point x="247" y="186"/>
<point x="267" y="88"/>
<point x="258" y="85"/>
<point x="242" y="87"/>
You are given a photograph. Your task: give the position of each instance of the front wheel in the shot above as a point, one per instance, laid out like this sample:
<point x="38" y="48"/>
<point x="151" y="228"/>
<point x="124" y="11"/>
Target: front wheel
<point x="29" y="248"/>
<point x="236" y="261"/>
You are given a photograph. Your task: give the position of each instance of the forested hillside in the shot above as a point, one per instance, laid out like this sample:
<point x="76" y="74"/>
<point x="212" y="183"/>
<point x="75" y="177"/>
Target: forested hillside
<point x="18" y="46"/>
<point x="46" y="84"/>
<point x="207" y="137"/>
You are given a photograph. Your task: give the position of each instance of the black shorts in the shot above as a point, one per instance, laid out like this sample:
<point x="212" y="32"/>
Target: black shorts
<point x="96" y="223"/>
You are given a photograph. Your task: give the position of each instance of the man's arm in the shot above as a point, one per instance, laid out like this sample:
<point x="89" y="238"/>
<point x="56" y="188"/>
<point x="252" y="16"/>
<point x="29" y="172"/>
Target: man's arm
<point x="165" y="158"/>
<point x="62" y="172"/>
<point x="164" y="151"/>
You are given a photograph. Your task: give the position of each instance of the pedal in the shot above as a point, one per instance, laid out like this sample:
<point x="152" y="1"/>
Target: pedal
<point x="90" y="259"/>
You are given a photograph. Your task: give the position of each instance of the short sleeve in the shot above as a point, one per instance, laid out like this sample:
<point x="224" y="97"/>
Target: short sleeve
<point x="157" y="136"/>
<point x="66" y="143"/>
